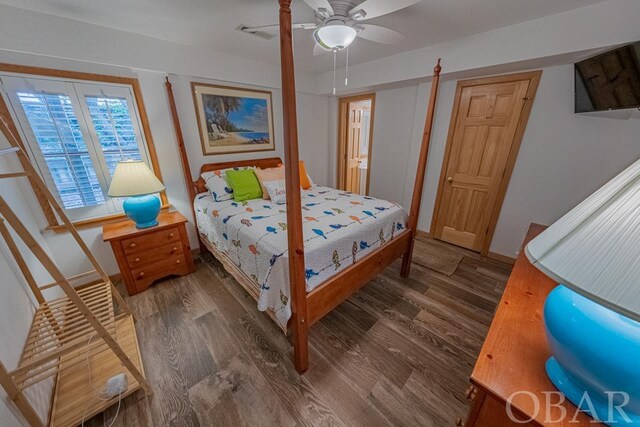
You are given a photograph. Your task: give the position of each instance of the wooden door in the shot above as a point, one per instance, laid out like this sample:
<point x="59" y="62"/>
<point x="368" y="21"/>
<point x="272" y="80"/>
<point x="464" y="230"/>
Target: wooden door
<point x="487" y="125"/>
<point x="354" y="145"/>
<point x="355" y="134"/>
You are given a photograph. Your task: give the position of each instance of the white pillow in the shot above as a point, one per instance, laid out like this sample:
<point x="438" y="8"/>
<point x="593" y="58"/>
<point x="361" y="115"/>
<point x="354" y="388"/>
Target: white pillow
<point x="216" y="183"/>
<point x="277" y="190"/>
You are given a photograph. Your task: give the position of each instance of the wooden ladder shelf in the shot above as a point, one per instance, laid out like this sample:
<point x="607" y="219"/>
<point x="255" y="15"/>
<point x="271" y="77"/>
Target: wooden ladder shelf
<point x="79" y="339"/>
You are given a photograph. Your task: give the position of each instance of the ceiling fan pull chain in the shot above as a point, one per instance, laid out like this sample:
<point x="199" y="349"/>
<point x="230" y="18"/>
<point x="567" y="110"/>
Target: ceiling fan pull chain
<point x="346" y="72"/>
<point x="335" y="51"/>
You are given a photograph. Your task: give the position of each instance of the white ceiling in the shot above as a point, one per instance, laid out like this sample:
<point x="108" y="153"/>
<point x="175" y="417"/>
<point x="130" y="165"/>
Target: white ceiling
<point x="211" y="24"/>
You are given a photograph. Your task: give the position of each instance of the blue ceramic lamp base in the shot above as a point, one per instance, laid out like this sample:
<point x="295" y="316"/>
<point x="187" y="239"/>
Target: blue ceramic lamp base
<point x="143" y="210"/>
<point x="602" y="407"/>
<point x="596" y="357"/>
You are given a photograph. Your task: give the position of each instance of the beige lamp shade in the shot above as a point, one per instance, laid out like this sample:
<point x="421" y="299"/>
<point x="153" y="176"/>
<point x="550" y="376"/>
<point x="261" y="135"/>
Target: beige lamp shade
<point x="595" y="248"/>
<point x="133" y="178"/>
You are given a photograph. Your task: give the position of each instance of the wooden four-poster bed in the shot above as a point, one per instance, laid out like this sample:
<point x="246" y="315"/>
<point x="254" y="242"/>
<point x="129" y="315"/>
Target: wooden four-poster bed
<point x="309" y="307"/>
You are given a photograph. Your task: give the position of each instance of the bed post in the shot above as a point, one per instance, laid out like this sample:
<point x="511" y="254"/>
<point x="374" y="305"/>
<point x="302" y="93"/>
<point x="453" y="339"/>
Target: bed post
<point x="186" y="168"/>
<point x="299" y="324"/>
<point x="414" y="211"/>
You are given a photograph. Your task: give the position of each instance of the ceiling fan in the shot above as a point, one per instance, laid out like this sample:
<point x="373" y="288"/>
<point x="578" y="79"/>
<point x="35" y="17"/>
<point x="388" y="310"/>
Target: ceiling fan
<point x="339" y="22"/>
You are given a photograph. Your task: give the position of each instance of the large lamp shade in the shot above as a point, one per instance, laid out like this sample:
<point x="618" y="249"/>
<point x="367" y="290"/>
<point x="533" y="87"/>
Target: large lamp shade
<point x="592" y="320"/>
<point x="134" y="179"/>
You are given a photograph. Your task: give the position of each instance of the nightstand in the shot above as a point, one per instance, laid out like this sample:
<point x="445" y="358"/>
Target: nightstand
<point x="146" y="255"/>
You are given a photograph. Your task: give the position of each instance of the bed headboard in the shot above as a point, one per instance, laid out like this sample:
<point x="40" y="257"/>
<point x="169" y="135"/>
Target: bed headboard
<point x="270" y="162"/>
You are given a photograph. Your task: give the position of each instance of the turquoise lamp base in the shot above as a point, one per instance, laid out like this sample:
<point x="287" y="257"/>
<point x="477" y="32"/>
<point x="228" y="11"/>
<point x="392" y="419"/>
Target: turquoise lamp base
<point x="600" y="407"/>
<point x="143" y="210"/>
<point x="596" y="357"/>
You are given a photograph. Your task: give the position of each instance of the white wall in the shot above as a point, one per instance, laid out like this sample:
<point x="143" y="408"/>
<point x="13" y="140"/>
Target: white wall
<point x="564" y="157"/>
<point x="392" y="138"/>
<point x="17" y="304"/>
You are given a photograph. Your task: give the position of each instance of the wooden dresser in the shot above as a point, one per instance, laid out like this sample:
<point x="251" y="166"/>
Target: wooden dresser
<point x="514" y="354"/>
<point x="146" y="255"/>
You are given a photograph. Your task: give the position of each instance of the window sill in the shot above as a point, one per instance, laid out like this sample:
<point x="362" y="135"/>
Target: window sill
<point x="96" y="222"/>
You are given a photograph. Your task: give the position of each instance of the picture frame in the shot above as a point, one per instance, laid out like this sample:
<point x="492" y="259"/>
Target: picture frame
<point x="233" y="119"/>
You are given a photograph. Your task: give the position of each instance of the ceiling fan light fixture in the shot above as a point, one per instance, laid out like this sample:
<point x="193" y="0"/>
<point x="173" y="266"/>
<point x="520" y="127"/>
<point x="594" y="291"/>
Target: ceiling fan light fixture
<point x="335" y="36"/>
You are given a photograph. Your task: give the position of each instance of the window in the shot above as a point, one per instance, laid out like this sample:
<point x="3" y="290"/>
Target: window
<point x="112" y="122"/>
<point x="56" y="130"/>
<point x="76" y="133"/>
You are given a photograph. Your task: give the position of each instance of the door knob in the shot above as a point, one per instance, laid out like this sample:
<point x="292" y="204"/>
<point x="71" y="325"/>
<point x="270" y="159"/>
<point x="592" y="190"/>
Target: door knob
<point x="450" y="179"/>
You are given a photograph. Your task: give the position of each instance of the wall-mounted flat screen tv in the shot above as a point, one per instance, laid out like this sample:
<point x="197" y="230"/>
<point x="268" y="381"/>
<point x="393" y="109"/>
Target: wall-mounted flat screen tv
<point x="609" y="81"/>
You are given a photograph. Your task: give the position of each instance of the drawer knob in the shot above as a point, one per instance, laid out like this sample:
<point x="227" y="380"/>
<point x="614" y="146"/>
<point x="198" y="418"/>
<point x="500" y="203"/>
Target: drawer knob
<point x="136" y="260"/>
<point x="174" y="249"/>
<point x="468" y="392"/>
<point x="459" y="422"/>
<point x="141" y="275"/>
<point x="471" y="392"/>
<point x="171" y="235"/>
<point x="177" y="261"/>
<point x="132" y="245"/>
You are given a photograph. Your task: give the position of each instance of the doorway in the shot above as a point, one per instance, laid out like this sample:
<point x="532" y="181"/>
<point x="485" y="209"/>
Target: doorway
<point x="355" y="135"/>
<point x="488" y="121"/>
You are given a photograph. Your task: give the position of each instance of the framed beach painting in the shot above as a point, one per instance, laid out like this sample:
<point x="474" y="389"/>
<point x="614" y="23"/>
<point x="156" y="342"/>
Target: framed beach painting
<point x="233" y="120"/>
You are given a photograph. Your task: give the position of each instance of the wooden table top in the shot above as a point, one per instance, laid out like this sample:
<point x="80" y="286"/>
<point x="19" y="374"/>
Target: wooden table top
<point x="514" y="353"/>
<point x="127" y="228"/>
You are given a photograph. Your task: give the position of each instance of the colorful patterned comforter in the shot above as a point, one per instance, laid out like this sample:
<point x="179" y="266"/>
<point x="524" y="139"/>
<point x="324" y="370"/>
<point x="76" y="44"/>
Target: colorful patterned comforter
<point x="339" y="228"/>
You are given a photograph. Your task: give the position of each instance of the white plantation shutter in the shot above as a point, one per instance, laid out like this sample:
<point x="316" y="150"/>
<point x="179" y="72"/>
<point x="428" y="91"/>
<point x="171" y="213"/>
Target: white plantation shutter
<point x="56" y="130"/>
<point x="77" y="132"/>
<point x="113" y="126"/>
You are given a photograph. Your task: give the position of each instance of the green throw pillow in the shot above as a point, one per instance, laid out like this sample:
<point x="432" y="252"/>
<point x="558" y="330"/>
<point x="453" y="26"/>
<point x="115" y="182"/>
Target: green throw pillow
<point x="245" y="184"/>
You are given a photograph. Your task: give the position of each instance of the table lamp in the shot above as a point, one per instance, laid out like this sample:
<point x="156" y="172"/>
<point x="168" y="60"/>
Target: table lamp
<point x="592" y="320"/>
<point x="134" y="180"/>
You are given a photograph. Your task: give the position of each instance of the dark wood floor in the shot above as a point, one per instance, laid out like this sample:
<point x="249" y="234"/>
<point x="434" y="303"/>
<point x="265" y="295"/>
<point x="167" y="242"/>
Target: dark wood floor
<point x="399" y="352"/>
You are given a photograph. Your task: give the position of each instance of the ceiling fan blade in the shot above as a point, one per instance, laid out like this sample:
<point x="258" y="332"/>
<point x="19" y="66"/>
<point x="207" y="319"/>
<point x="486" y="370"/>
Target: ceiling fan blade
<point x="378" y="34"/>
<point x="319" y="50"/>
<point x="373" y="8"/>
<point x="269" y="32"/>
<point x="276" y="27"/>
<point x="305" y="26"/>
<point x="318" y="5"/>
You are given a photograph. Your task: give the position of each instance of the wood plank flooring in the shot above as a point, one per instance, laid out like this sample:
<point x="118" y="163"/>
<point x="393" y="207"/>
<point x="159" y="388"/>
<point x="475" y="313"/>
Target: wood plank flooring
<point x="398" y="352"/>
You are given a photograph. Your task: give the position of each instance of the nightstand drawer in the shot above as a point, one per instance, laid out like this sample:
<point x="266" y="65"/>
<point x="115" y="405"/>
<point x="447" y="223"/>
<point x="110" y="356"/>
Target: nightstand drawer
<point x="164" y="267"/>
<point x="152" y="240"/>
<point x="149" y="256"/>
